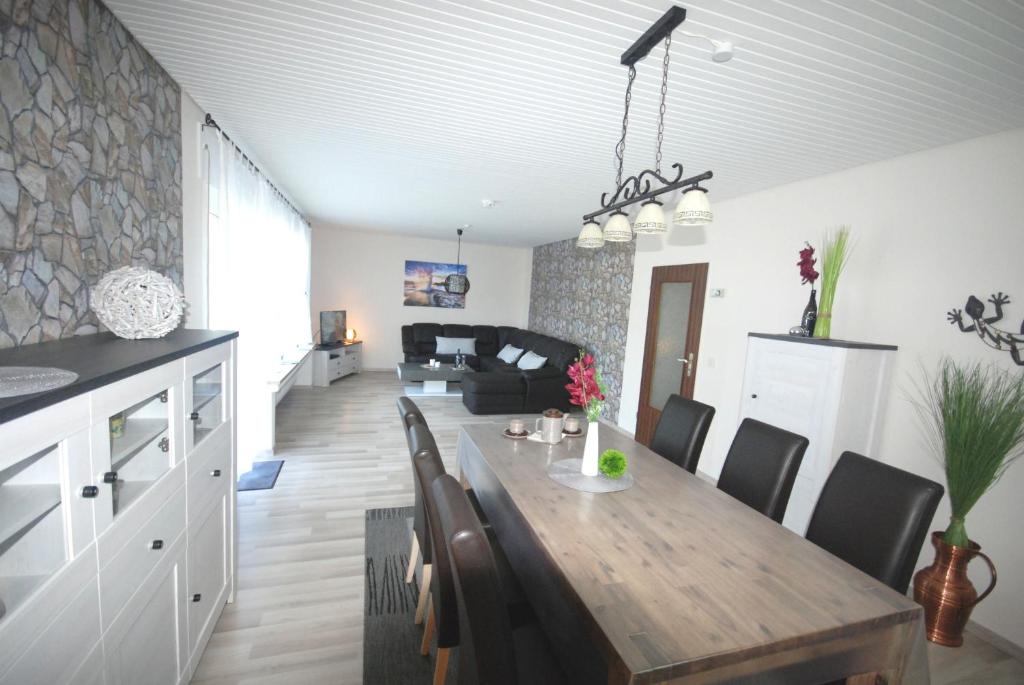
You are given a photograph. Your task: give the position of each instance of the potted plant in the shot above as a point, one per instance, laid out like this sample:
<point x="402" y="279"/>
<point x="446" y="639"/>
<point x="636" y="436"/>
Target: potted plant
<point x="974" y="415"/>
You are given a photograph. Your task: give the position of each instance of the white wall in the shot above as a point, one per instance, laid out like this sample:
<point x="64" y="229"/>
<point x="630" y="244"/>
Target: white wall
<point x="363" y="273"/>
<point x="929" y="229"/>
<point x="193" y="197"/>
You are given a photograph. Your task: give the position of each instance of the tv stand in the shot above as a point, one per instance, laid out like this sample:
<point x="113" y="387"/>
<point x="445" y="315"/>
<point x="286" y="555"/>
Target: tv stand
<point x="332" y="362"/>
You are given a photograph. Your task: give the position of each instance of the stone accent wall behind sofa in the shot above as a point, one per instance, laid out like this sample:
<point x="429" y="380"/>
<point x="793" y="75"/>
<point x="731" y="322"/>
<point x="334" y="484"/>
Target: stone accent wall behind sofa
<point x="583" y="295"/>
<point x="90" y="173"/>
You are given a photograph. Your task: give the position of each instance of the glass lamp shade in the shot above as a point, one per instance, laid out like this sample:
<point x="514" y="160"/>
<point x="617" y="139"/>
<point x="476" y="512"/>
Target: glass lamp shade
<point x="693" y="208"/>
<point x="457" y="284"/>
<point x="651" y="219"/>
<point x="350" y="334"/>
<point x="590" y="235"/>
<point x="618" y="230"/>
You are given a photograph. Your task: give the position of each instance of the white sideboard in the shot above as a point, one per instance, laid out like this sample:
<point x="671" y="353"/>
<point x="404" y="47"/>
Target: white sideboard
<point x="830" y="391"/>
<point x="117" y="521"/>
<point x="334" y="363"/>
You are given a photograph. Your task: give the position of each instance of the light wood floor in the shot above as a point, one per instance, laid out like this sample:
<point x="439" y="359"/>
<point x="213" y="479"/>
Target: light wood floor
<point x="298" y="614"/>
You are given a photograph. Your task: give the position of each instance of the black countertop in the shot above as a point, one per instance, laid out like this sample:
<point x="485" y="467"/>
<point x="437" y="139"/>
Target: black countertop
<point x="825" y="342"/>
<point x="99" y="360"/>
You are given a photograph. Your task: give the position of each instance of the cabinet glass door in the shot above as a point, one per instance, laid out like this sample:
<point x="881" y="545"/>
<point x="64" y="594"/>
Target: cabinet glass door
<point x="140" y="449"/>
<point x="207" y="402"/>
<point x="32" y="533"/>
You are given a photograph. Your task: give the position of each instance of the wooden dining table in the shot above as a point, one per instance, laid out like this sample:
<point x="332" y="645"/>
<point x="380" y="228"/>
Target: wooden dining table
<point x="674" y="581"/>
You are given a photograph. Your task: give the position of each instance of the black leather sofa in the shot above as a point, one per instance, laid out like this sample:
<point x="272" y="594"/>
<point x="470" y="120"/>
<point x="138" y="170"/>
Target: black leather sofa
<point x="498" y="387"/>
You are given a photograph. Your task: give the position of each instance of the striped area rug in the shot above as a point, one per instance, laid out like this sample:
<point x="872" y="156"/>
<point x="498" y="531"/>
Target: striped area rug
<point x="391" y="641"/>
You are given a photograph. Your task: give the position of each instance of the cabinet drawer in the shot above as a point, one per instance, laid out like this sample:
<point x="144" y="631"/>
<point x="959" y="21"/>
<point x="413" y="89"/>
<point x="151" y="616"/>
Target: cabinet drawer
<point x="63" y="647"/>
<point x="136" y="561"/>
<point x="209" y="469"/>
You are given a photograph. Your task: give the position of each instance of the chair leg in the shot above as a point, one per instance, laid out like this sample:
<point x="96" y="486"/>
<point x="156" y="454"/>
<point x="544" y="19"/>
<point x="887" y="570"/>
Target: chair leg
<point x="421" y="605"/>
<point x="414" y="555"/>
<point x="441" y="665"/>
<point x="428" y="632"/>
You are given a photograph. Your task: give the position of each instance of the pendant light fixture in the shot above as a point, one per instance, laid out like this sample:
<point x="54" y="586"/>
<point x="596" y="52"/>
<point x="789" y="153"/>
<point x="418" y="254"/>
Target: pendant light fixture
<point x="591" y="235"/>
<point x="644" y="187"/>
<point x="693" y="208"/>
<point x="457" y="284"/>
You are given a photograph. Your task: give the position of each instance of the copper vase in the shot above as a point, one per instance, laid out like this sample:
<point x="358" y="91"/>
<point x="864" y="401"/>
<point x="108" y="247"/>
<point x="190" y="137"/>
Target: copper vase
<point x="946" y="593"/>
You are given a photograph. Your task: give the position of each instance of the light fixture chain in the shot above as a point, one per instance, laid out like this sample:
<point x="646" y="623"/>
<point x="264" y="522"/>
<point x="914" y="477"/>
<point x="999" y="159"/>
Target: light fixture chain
<point x="620" y="149"/>
<point x="661" y="110"/>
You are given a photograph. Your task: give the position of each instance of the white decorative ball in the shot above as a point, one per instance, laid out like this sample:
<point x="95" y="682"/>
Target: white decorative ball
<point x="134" y="302"/>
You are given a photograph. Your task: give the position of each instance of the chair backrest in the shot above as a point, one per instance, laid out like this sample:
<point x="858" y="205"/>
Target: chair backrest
<point x="409" y="412"/>
<point x="875" y="517"/>
<point x="761" y="466"/>
<point x="411" y="415"/>
<point x="679" y="435"/>
<point x="427" y="462"/>
<point x="486" y="653"/>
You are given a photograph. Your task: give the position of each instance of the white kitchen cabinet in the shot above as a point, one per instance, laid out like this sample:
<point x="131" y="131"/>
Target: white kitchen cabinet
<point x="830" y="391"/>
<point x="117" y="508"/>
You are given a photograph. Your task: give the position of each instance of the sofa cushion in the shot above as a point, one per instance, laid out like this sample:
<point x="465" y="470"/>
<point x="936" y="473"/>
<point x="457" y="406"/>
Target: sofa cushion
<point x="446" y="345"/>
<point x="493" y="384"/>
<point x="510" y="354"/>
<point x="457" y="330"/>
<point x="486" y="340"/>
<point x="495" y="364"/>
<point x="531" y="360"/>
<point x="424" y="336"/>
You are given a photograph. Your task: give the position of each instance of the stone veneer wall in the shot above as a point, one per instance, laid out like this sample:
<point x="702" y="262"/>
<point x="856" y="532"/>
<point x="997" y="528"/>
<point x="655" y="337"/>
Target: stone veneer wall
<point x="90" y="173"/>
<point x="583" y="295"/>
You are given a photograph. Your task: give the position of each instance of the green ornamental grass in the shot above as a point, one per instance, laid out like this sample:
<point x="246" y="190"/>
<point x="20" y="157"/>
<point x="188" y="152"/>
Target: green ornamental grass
<point x="974" y="416"/>
<point x="835" y="255"/>
<point x="612" y="463"/>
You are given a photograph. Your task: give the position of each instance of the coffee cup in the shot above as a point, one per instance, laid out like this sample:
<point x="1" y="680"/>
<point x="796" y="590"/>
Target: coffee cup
<point x="432" y="362"/>
<point x="516" y="426"/>
<point x="571" y="424"/>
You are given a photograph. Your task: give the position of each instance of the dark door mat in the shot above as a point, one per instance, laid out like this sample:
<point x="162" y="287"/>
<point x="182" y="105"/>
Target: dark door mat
<point x="262" y="477"/>
<point x="391" y="641"/>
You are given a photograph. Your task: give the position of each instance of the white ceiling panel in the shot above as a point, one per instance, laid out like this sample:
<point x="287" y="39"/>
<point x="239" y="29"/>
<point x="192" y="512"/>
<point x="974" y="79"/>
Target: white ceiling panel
<point x="401" y="115"/>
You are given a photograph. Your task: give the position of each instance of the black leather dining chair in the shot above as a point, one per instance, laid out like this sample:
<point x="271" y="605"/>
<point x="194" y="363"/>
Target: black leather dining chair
<point x="492" y="649"/>
<point x="442" y="615"/>
<point x="875" y="517"/>
<point x="411" y="415"/>
<point x="761" y="467"/>
<point x="681" y="430"/>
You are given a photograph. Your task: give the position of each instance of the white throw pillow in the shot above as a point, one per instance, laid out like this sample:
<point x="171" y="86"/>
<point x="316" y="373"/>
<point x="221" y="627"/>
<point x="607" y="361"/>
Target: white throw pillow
<point x="531" y="360"/>
<point x="509" y="354"/>
<point x="455" y="345"/>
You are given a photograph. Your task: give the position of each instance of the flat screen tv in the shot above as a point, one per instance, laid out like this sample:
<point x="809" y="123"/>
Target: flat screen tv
<point x="332" y="327"/>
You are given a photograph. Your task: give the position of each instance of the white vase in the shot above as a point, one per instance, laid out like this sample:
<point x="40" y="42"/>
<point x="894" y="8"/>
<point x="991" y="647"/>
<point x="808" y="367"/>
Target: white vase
<point x="590" y="451"/>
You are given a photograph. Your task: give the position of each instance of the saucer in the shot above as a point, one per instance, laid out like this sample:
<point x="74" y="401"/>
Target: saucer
<point x="515" y="436"/>
<point x="575" y="434"/>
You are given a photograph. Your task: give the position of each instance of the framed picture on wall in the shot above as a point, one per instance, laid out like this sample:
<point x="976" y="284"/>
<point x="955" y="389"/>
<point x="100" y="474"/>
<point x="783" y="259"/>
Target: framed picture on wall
<point x="425" y="285"/>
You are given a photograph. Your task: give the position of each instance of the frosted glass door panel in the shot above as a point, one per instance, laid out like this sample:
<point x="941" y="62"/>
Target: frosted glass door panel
<point x="670" y="345"/>
<point x="207" y="402"/>
<point x="32" y="540"/>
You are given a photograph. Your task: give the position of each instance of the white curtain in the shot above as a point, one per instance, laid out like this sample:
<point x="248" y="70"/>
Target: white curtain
<point x="258" y="285"/>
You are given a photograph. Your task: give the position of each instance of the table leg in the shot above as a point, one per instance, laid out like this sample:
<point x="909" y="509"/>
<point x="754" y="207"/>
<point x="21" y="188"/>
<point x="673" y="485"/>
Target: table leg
<point x="435" y="387"/>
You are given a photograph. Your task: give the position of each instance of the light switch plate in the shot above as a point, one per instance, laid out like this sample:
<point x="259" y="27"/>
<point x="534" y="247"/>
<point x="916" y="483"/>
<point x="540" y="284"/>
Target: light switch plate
<point x="718" y="292"/>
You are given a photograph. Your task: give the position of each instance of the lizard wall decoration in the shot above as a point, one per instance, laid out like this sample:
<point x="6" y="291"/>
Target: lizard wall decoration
<point x="994" y="337"/>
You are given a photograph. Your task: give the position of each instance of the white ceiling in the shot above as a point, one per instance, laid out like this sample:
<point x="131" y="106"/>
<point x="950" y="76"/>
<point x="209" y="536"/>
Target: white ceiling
<point x="401" y="116"/>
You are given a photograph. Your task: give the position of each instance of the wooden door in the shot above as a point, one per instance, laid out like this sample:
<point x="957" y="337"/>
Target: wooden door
<point x="674" y="317"/>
